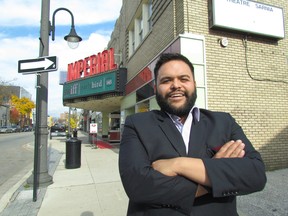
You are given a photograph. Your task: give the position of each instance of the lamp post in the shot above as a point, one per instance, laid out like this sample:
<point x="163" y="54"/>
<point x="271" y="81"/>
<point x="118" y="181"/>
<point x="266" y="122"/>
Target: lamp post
<point x="72" y="38"/>
<point x="40" y="175"/>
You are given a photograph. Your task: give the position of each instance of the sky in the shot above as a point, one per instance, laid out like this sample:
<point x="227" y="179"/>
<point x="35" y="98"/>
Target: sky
<point x="19" y="39"/>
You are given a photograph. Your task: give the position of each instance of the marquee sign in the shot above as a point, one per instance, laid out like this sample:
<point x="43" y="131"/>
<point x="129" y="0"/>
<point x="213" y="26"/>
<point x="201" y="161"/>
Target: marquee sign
<point x="103" y="83"/>
<point x="248" y="16"/>
<point x="98" y="85"/>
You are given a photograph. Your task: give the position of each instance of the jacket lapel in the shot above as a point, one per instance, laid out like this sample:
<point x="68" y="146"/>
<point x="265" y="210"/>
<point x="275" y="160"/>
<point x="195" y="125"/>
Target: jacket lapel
<point x="172" y="133"/>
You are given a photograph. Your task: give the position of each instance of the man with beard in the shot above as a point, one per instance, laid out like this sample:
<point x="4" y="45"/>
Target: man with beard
<point x="183" y="160"/>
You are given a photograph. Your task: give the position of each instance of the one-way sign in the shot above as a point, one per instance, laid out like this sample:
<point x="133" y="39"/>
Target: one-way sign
<point x="38" y="65"/>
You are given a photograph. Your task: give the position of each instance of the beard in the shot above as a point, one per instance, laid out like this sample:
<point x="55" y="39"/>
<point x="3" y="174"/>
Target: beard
<point x="178" y="111"/>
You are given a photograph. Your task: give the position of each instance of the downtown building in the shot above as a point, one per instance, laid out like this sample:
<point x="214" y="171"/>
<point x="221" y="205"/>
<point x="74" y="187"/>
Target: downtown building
<point x="6" y="91"/>
<point x="238" y="49"/>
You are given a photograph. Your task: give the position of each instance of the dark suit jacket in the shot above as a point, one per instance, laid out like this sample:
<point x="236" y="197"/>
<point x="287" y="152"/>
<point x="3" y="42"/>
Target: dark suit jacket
<point x="152" y="135"/>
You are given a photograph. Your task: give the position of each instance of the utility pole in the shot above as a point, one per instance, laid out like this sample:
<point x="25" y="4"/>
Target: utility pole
<point x="41" y="175"/>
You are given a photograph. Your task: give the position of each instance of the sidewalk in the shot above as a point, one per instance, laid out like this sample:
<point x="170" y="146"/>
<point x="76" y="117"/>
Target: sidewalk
<point x="92" y="189"/>
<point x="95" y="188"/>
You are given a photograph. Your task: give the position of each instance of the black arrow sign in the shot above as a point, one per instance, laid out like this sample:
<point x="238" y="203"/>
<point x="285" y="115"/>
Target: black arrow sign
<point x="39" y="65"/>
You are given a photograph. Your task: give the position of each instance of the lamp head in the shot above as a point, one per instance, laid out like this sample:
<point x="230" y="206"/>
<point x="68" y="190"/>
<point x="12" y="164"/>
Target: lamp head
<point x="73" y="39"/>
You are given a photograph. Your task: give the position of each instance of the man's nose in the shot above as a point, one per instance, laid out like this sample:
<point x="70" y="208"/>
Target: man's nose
<point x="175" y="84"/>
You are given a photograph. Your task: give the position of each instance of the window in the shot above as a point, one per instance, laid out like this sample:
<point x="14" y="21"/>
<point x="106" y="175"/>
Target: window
<point x="150" y="14"/>
<point x="141" y="26"/>
<point x="131" y="41"/>
<point x="140" y="30"/>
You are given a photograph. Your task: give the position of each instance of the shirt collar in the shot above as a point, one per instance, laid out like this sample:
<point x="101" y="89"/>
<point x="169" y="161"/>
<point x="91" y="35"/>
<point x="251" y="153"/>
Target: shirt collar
<point x="195" y="114"/>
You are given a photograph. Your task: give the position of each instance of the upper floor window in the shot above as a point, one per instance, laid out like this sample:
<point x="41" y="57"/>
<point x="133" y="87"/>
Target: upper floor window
<point x="150" y="14"/>
<point x="141" y="26"/>
<point x="140" y="29"/>
<point x="132" y="41"/>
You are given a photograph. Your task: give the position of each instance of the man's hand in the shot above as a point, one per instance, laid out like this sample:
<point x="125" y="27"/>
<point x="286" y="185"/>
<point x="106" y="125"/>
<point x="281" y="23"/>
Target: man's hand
<point x="201" y="191"/>
<point x="191" y="168"/>
<point x="232" y="149"/>
<point x="165" y="166"/>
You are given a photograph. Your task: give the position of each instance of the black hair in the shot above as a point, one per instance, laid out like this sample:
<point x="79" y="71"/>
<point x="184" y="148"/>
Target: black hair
<point x="166" y="57"/>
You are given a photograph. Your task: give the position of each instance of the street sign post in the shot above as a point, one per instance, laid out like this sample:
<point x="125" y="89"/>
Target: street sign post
<point x="93" y="133"/>
<point x="33" y="66"/>
<point x="93" y="128"/>
<point x="38" y="65"/>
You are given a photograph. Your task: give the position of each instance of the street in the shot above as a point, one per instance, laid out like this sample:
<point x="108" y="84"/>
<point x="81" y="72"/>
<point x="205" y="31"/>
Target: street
<point x="16" y="158"/>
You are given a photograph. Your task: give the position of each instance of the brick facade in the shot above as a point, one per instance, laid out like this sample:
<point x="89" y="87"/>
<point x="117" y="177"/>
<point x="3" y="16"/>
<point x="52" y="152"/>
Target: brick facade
<point x="248" y="78"/>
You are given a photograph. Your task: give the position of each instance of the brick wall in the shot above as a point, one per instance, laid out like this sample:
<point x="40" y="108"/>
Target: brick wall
<point x="260" y="107"/>
<point x="259" y="103"/>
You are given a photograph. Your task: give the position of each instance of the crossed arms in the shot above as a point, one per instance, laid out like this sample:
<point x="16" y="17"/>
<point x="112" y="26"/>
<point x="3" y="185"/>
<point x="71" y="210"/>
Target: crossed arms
<point x="194" y="168"/>
<point x="149" y="177"/>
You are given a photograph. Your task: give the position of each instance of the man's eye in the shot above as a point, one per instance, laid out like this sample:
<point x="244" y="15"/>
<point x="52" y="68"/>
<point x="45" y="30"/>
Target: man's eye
<point x="165" y="81"/>
<point x="185" y="79"/>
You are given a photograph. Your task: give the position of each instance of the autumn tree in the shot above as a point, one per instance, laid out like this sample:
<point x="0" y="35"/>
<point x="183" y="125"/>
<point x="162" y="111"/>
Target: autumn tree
<point x="14" y="116"/>
<point x="24" y="106"/>
<point x="73" y="120"/>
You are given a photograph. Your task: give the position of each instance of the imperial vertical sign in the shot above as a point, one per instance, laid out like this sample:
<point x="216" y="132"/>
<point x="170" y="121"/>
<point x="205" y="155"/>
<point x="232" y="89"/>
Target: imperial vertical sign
<point x="92" y="65"/>
<point x="38" y="65"/>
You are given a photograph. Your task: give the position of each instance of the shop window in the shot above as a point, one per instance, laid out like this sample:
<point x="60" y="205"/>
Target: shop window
<point x="145" y="92"/>
<point x="143" y="106"/>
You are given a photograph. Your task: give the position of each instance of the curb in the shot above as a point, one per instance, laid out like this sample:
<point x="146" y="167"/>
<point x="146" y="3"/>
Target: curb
<point x="6" y="198"/>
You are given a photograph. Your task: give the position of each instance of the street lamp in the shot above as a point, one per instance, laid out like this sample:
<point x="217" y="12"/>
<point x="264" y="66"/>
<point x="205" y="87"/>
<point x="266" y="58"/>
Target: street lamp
<point x="72" y="38"/>
<point x="40" y="173"/>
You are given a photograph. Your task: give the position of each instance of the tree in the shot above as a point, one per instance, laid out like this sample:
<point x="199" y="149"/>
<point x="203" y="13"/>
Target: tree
<point x="14" y="116"/>
<point x="73" y="123"/>
<point x="24" y="106"/>
<point x="73" y="120"/>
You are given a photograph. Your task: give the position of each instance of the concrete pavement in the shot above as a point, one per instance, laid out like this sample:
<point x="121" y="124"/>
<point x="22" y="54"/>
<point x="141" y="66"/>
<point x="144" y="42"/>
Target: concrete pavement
<point x="92" y="189"/>
<point x="95" y="188"/>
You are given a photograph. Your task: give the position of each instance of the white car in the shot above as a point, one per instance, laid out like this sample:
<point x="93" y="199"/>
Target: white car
<point x="6" y="129"/>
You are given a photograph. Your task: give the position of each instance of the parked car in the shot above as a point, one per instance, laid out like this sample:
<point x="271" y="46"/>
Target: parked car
<point x="57" y="130"/>
<point x="16" y="129"/>
<point x="6" y="129"/>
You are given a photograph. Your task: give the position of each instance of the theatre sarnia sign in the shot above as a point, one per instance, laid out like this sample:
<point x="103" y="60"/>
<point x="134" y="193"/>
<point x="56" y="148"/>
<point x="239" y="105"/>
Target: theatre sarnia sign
<point x="92" y="65"/>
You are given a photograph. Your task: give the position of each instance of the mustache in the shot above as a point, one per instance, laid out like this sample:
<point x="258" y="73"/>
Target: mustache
<point x="177" y="92"/>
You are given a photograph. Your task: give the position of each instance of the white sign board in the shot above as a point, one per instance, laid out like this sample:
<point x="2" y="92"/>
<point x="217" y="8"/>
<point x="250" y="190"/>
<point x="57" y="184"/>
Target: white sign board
<point x="248" y="16"/>
<point x="93" y="128"/>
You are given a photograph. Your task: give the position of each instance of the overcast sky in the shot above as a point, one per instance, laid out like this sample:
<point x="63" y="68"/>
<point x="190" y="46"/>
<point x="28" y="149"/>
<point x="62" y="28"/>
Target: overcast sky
<point x="20" y="31"/>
